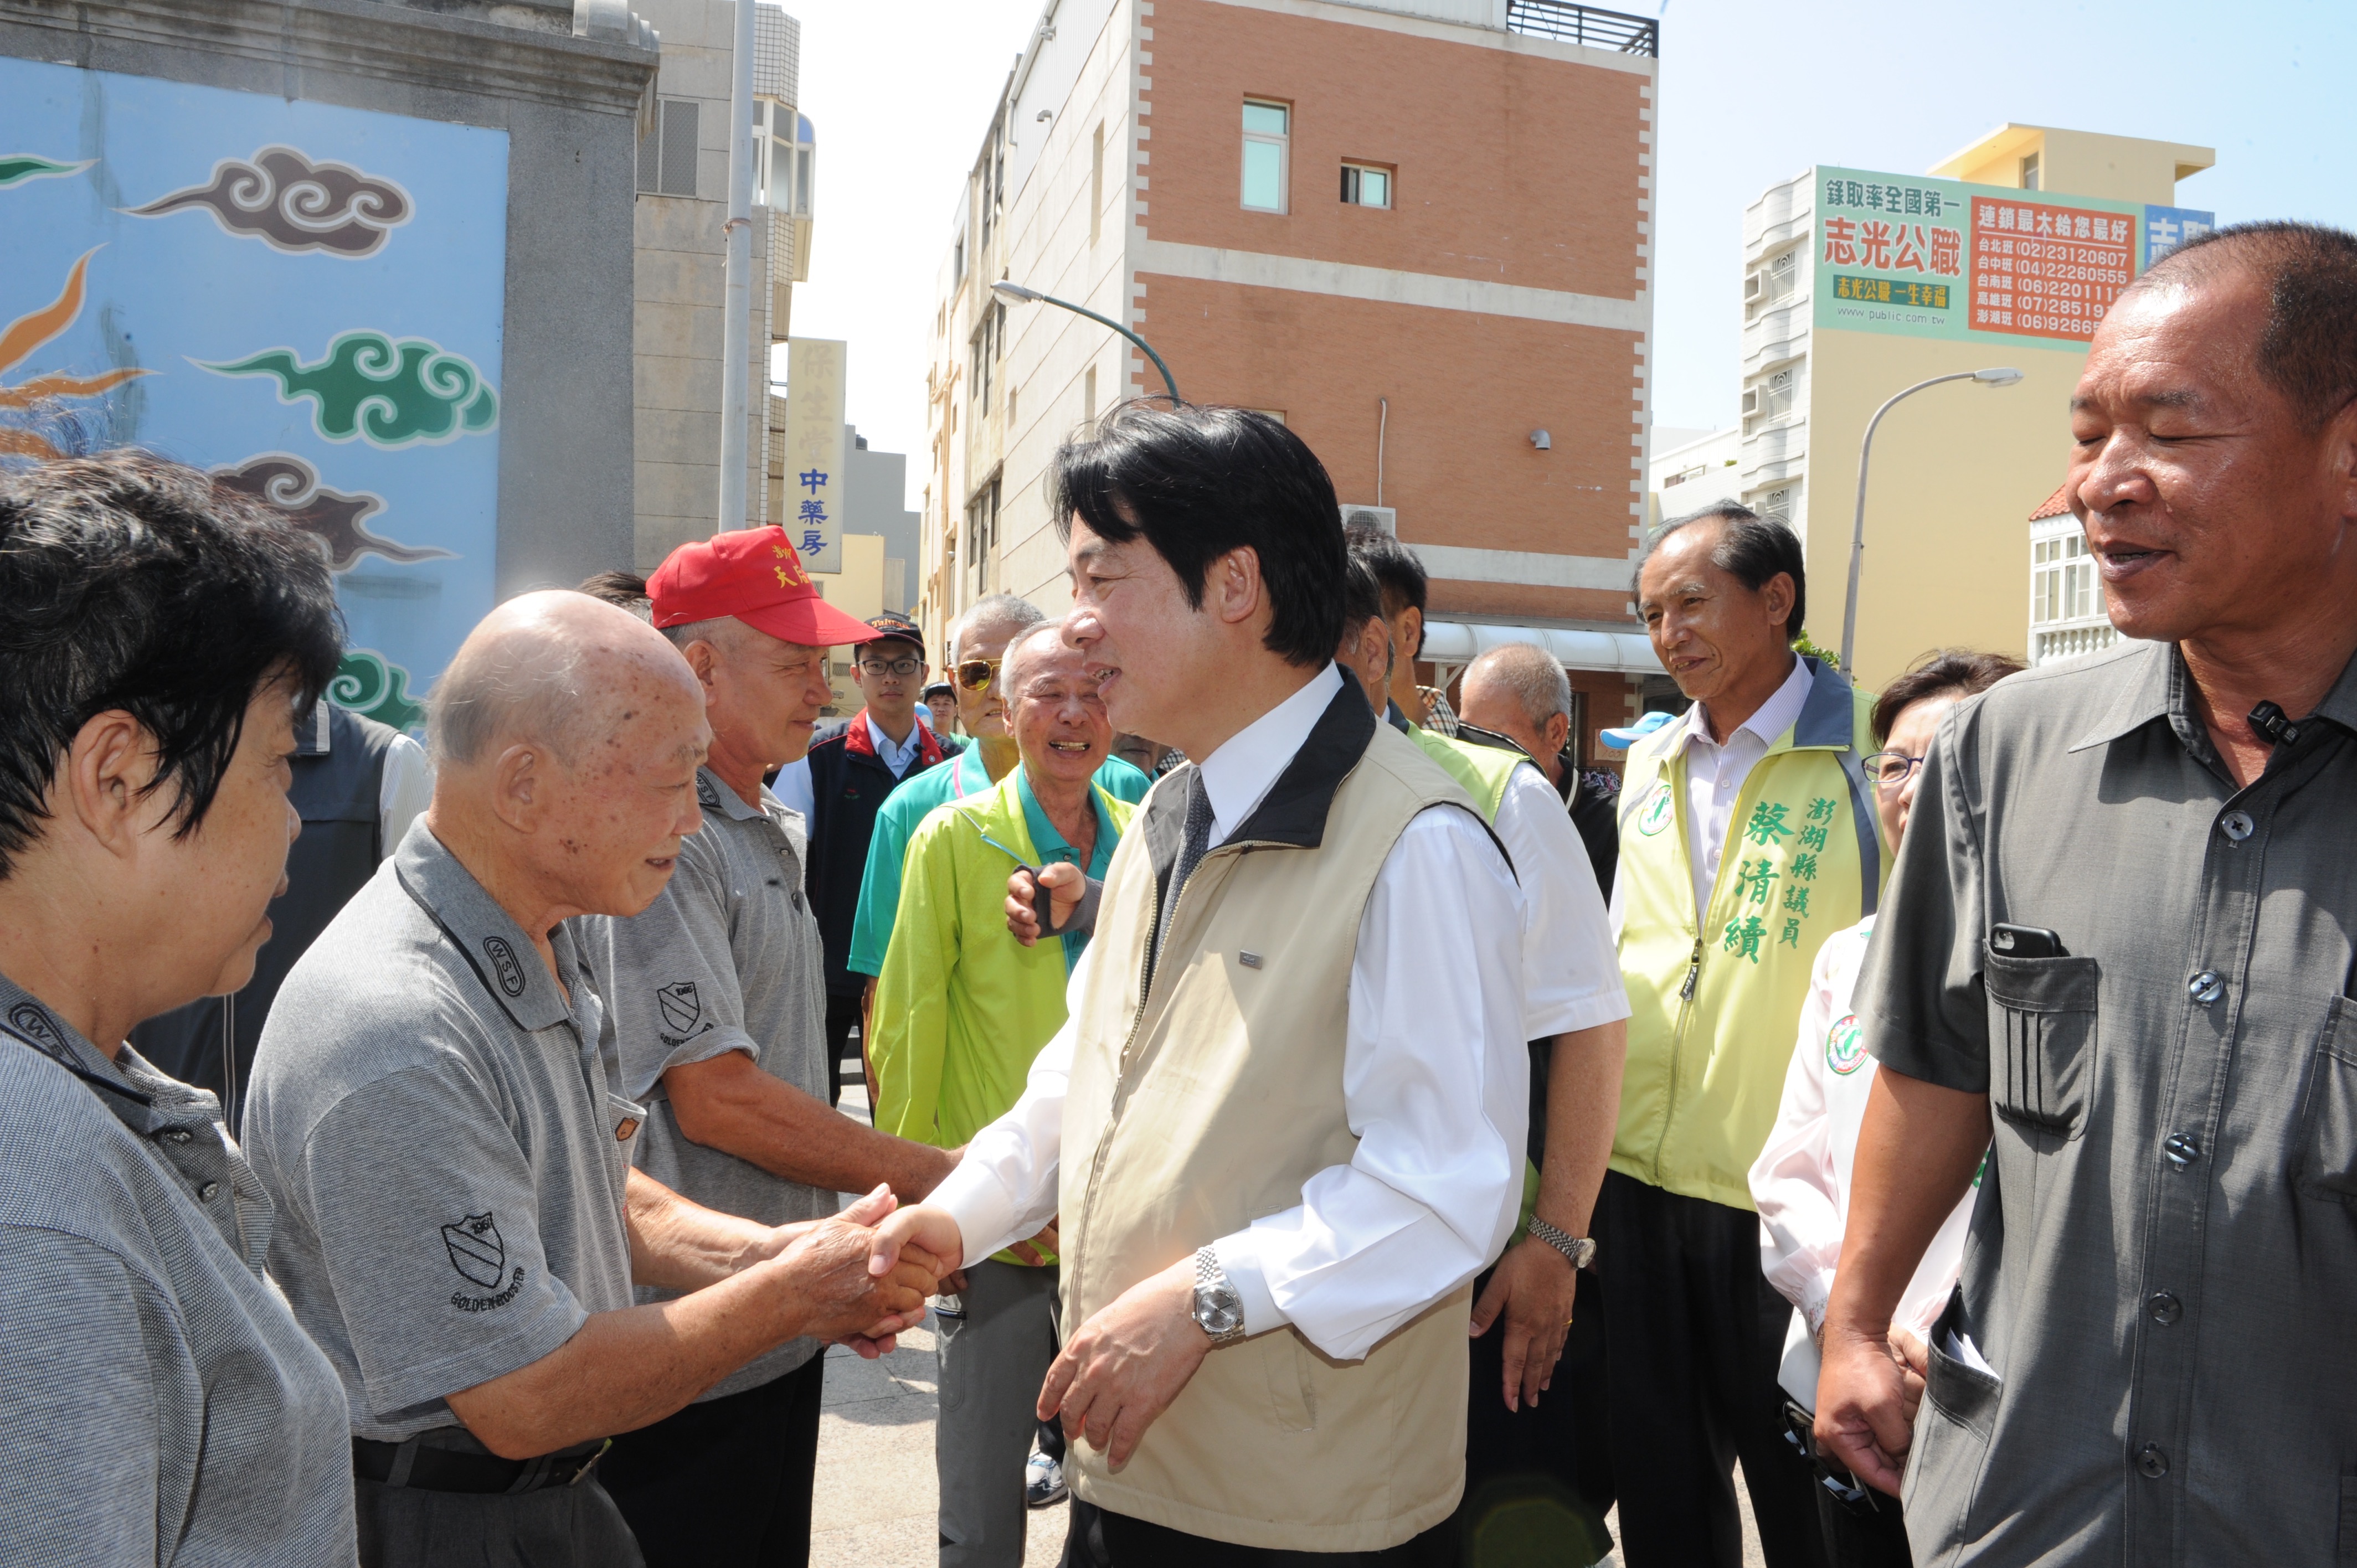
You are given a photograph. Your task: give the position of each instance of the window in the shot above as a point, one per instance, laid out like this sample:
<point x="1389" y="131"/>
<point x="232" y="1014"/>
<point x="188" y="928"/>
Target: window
<point x="1089" y="395"/>
<point x="1267" y="131"/>
<point x="2064" y="585"/>
<point x="667" y="155"/>
<point x="2029" y="172"/>
<point x="1096" y="183"/>
<point x="1366" y="186"/>
<point x="784" y="178"/>
<point x="998" y="337"/>
<point x="978" y="377"/>
<point x="957" y="262"/>
<point x="981" y="536"/>
<point x="1774" y="282"/>
<point x="1771" y="397"/>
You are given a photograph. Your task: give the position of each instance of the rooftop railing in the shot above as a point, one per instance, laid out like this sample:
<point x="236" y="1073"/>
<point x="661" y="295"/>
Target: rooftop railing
<point x="1568" y="24"/>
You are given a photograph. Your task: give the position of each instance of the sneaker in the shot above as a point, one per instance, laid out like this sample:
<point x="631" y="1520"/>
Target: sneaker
<point x="1043" y="1482"/>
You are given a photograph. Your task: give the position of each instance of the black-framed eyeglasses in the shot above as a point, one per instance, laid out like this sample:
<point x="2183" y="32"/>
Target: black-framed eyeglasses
<point x="907" y="664"/>
<point x="1890" y="769"/>
<point x="975" y="675"/>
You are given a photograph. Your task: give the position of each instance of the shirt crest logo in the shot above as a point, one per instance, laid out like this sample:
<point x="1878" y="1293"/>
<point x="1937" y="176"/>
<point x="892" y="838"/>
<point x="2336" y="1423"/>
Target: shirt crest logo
<point x="33" y="1023"/>
<point x="1845" y="1045"/>
<point x="681" y="1006"/>
<point x="476" y="1250"/>
<point x="1657" y="811"/>
<point x="504" y="965"/>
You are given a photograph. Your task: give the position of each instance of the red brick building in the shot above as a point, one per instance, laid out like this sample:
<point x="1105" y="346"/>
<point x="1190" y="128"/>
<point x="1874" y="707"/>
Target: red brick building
<point x="1418" y="230"/>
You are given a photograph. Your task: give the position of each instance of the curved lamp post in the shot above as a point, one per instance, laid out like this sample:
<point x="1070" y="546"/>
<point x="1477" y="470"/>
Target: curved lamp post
<point x="1021" y="295"/>
<point x="1999" y="376"/>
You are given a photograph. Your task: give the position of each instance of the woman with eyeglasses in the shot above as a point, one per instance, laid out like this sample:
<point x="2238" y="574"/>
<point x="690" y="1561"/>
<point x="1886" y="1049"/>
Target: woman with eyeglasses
<point x="1801" y="1180"/>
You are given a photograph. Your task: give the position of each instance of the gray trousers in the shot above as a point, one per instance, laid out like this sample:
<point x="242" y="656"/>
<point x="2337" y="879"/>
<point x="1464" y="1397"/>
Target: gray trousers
<point x="992" y="1362"/>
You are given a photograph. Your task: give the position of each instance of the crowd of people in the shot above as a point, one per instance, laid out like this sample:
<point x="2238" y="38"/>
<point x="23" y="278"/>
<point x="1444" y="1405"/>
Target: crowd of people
<point x="1320" y="1122"/>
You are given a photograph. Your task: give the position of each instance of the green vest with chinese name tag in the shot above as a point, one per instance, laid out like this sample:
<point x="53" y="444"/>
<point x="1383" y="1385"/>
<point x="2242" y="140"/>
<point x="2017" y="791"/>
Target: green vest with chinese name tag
<point x="1714" y="1008"/>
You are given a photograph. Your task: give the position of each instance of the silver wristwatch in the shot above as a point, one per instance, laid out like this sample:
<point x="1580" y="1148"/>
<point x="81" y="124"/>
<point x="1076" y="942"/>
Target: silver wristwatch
<point x="1219" y="1310"/>
<point x="1580" y="1249"/>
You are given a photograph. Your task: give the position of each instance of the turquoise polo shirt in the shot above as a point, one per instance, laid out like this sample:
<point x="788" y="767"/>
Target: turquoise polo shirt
<point x="896" y="825"/>
<point x="1050" y="845"/>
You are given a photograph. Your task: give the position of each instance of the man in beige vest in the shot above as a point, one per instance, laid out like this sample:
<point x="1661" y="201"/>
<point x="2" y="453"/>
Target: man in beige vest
<point x="1293" y="1088"/>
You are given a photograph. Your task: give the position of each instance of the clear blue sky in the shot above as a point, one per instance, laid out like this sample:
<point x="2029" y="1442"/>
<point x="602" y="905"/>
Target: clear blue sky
<point x="1752" y="93"/>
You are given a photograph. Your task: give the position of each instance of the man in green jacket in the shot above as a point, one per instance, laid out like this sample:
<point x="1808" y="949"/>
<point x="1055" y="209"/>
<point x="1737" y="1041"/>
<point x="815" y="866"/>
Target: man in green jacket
<point x="978" y="640"/>
<point x="1748" y="834"/>
<point x="960" y="1009"/>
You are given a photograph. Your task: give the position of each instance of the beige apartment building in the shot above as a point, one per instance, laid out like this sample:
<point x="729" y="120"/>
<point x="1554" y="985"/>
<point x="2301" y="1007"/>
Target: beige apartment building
<point x="682" y="218"/>
<point x="1858" y="285"/>
<point x="1451" y="305"/>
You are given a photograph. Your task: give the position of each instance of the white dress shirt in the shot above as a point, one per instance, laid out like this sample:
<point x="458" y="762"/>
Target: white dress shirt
<point x="1571" y="969"/>
<point x="897" y="755"/>
<point x="1801" y="1183"/>
<point x="1715" y="773"/>
<point x="1435" y="1079"/>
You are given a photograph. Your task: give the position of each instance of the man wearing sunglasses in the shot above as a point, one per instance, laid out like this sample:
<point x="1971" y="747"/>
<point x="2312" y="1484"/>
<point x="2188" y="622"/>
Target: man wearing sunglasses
<point x="854" y="765"/>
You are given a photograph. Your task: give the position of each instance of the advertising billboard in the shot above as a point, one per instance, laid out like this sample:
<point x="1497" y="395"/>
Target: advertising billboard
<point x="306" y="300"/>
<point x="1920" y="257"/>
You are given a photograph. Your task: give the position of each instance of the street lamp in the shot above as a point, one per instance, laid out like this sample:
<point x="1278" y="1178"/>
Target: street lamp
<point x="1021" y="295"/>
<point x="1998" y="376"/>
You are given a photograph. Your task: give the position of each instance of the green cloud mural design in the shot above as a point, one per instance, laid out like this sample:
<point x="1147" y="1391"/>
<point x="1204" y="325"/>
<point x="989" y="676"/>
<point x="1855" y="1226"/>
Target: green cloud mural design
<point x="389" y="393"/>
<point x="366" y="685"/>
<point x="18" y="168"/>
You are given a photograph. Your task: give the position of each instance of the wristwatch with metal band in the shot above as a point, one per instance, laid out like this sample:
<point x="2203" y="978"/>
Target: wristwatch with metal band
<point x="1580" y="1249"/>
<point x="1219" y="1310"/>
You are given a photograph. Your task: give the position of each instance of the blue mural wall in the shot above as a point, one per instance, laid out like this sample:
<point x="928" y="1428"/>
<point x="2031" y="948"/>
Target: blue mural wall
<point x="302" y="298"/>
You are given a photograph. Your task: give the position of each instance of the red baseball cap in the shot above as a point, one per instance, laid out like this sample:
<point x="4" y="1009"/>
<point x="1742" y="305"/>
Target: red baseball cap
<point x="756" y="576"/>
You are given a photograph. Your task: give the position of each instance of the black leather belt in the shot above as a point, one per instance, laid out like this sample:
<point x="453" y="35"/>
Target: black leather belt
<point x="412" y="1464"/>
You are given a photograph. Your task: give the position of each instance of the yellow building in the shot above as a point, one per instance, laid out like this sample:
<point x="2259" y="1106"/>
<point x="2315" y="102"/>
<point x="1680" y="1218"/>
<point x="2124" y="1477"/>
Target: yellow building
<point x="1859" y="284"/>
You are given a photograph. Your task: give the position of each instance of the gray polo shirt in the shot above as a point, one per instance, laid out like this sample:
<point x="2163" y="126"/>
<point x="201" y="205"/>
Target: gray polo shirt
<point x="2163" y="1257"/>
<point x="162" y="1406"/>
<point x="727" y="960"/>
<point x="431" y="1114"/>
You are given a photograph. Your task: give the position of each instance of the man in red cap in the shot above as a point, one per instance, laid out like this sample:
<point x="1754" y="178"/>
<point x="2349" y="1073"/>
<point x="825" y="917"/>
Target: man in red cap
<point x="718" y="996"/>
<point x="852" y="766"/>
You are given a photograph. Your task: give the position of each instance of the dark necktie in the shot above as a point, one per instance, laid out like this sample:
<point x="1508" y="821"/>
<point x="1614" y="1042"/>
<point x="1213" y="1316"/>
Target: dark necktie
<point x="1192" y="845"/>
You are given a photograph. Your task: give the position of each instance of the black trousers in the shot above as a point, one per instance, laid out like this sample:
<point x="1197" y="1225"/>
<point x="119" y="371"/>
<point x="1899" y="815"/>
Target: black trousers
<point x="1134" y="1543"/>
<point x="1524" y="1506"/>
<point x="842" y="1017"/>
<point x="1855" y="1538"/>
<point x="1694" y="1333"/>
<point x="725" y="1481"/>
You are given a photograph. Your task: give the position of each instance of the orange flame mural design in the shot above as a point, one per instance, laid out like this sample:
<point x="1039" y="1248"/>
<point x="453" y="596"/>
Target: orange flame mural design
<point x="27" y="333"/>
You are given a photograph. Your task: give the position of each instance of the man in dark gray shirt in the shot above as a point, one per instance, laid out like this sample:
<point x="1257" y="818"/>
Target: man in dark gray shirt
<point x="2115" y="956"/>
<point x="460" y="1226"/>
<point x="719" y="998"/>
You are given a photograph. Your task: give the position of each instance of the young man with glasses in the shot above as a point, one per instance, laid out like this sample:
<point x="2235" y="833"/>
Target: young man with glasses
<point x="852" y="766"/>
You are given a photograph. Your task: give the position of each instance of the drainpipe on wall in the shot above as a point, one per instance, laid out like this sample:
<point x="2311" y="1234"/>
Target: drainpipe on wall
<point x="736" y="349"/>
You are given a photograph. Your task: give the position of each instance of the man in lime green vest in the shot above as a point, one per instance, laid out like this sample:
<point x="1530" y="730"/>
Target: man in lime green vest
<point x="961" y="1008"/>
<point x="1748" y="835"/>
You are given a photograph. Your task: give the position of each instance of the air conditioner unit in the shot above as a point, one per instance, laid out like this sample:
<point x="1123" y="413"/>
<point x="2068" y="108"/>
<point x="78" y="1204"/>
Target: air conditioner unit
<point x="1382" y="518"/>
<point x="1751" y="285"/>
<point x="1750" y="401"/>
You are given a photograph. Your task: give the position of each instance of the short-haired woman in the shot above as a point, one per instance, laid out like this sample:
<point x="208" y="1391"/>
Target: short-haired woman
<point x="1801" y="1180"/>
<point x="158" y="639"/>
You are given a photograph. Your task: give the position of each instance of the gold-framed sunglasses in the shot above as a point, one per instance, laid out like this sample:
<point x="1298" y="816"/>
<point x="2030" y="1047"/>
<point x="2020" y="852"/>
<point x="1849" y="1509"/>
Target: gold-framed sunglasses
<point x="975" y="675"/>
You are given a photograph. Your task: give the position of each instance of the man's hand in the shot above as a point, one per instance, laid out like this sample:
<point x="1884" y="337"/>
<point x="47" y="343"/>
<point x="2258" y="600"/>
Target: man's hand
<point x="1865" y="1411"/>
<point x="921" y="1232"/>
<point x="829" y="1274"/>
<point x="1127" y="1363"/>
<point x="867" y="1211"/>
<point x="1065" y="885"/>
<point x="1534" y="1287"/>
<point x="1035" y="1251"/>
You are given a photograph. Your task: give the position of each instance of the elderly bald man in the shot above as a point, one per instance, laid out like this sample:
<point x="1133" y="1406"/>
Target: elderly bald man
<point x="1519" y="692"/>
<point x="460" y="1225"/>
